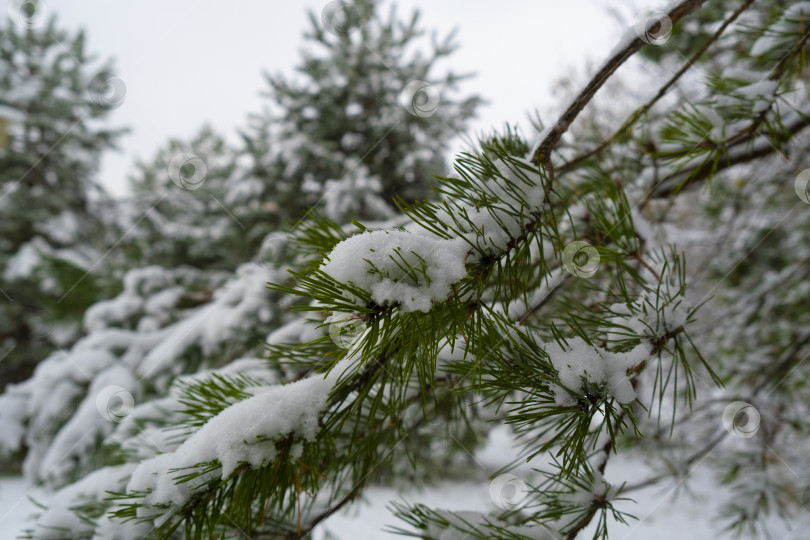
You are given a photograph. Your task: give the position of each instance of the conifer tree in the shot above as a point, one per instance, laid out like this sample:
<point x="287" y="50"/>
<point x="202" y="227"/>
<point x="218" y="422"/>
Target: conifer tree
<point x="179" y="200"/>
<point x="53" y="97"/>
<point x="189" y="254"/>
<point x="341" y="131"/>
<point x="550" y="289"/>
<point x="314" y="144"/>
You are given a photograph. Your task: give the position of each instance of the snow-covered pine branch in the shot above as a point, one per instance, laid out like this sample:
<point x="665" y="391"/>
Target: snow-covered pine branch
<point x="555" y="305"/>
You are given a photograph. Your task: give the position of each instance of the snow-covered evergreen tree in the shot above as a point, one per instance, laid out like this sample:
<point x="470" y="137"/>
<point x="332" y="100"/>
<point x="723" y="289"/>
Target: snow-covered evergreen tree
<point x="313" y="144"/>
<point x="178" y="215"/>
<point x="194" y="286"/>
<point x="53" y="100"/>
<point x="366" y="117"/>
<point x="568" y="286"/>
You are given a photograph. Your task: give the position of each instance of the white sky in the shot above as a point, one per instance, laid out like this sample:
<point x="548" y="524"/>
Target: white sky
<point x="186" y="62"/>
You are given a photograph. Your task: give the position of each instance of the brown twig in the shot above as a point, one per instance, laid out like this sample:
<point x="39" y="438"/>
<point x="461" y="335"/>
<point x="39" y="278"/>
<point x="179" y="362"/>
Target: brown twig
<point x="687" y="177"/>
<point x="542" y="155"/>
<point x="638" y="113"/>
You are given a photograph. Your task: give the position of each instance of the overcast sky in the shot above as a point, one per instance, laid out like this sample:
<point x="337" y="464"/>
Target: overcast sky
<point x="186" y="62"/>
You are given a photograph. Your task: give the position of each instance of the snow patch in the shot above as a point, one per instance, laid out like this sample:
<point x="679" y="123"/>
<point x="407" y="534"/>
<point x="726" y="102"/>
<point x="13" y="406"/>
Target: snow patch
<point x="245" y="432"/>
<point x="373" y="261"/>
<point x="580" y="365"/>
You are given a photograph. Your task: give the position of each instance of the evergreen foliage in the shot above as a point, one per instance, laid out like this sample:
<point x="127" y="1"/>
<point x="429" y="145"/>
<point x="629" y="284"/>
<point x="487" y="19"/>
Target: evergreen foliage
<point x="54" y="97"/>
<point x="567" y="286"/>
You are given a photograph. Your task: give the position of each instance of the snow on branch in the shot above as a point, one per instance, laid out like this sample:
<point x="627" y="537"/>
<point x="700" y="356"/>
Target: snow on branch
<point x="485" y="214"/>
<point x="244" y="434"/>
<point x="398" y="267"/>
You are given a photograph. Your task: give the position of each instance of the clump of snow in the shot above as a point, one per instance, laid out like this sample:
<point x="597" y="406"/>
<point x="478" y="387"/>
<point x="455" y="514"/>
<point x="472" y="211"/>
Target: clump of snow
<point x="582" y="496"/>
<point x="354" y="109"/>
<point x="141" y="433"/>
<point x="26" y="260"/>
<point x="765" y="88"/>
<point x="358" y="191"/>
<point x="669" y="318"/>
<point x="35" y="252"/>
<point x="235" y="309"/>
<point x="416" y="268"/>
<point x="580" y="366"/>
<point x="374" y="262"/>
<point x="490" y="221"/>
<point x="245" y="432"/>
<point x="646" y="318"/>
<point x="495" y="224"/>
<point x="759" y="96"/>
<point x="87" y="424"/>
<point x="744" y="74"/>
<point x="63" y="228"/>
<point x="34" y="411"/>
<point x="139" y="285"/>
<point x="244" y="190"/>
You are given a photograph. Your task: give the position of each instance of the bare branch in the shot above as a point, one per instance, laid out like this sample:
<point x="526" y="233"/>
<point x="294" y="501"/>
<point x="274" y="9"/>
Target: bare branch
<point x="542" y="155"/>
<point x="638" y="113"/>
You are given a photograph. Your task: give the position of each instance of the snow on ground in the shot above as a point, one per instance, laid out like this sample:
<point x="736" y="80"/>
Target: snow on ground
<point x="15" y="507"/>
<point x="664" y="512"/>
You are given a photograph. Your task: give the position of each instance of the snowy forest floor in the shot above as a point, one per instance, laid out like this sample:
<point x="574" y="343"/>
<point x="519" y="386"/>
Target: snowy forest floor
<point x="664" y="512"/>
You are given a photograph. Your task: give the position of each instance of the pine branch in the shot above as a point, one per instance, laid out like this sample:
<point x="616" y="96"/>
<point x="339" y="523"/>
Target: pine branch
<point x="679" y="180"/>
<point x="688" y="462"/>
<point x="303" y="533"/>
<point x="586" y="519"/>
<point x="546" y="299"/>
<point x="776" y="74"/>
<point x="784" y="364"/>
<point x="781" y="365"/>
<point x="542" y="155"/>
<point x="707" y="168"/>
<point x="638" y="113"/>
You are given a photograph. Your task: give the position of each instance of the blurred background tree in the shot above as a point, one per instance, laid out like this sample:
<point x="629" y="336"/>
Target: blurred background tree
<point x="336" y="133"/>
<point x="204" y="229"/>
<point x="54" y="98"/>
<point x="334" y="137"/>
